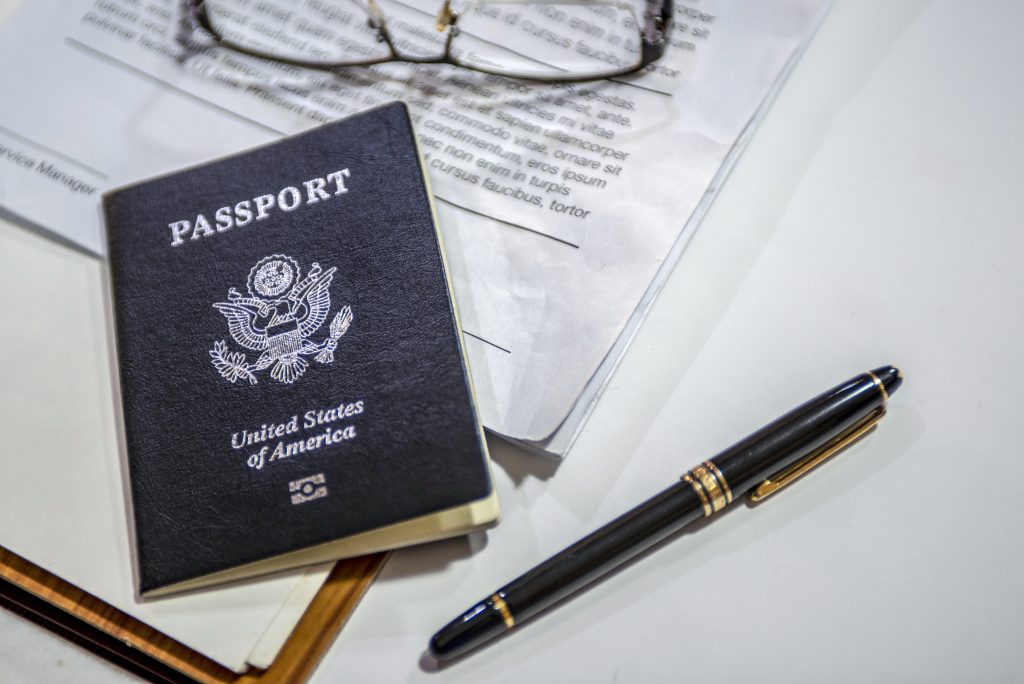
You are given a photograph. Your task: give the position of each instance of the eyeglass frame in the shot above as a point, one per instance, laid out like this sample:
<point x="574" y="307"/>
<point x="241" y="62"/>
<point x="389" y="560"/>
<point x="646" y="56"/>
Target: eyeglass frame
<point x="653" y="37"/>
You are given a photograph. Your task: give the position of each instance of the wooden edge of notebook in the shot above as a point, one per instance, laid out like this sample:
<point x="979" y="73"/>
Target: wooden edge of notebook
<point x="319" y="625"/>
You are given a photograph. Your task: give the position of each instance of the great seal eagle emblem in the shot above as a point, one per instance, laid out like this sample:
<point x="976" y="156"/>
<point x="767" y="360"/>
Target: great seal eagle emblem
<point x="278" y="317"/>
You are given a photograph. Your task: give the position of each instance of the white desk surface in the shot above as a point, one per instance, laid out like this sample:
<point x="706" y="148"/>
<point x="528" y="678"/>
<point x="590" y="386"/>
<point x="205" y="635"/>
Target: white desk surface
<point x="876" y="218"/>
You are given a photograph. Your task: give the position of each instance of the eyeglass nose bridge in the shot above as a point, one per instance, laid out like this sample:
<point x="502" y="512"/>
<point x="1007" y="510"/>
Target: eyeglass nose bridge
<point x="446" y="19"/>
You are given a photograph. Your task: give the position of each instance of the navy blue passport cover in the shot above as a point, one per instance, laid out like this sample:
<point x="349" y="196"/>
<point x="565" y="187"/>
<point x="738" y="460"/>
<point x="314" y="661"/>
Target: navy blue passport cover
<point x="291" y="367"/>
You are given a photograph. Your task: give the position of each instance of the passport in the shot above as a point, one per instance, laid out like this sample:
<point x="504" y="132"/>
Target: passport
<point x="292" y="375"/>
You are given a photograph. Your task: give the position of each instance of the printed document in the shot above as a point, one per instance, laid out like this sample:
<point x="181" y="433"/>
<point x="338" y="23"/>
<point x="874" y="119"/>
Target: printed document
<point x="563" y="207"/>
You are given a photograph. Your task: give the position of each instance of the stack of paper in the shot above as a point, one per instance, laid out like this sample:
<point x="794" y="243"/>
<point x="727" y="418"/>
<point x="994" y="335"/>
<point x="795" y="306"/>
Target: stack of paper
<point x="600" y="185"/>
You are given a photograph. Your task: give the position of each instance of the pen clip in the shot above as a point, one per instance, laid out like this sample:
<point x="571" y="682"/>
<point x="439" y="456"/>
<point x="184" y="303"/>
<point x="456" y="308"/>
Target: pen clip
<point x="791" y="473"/>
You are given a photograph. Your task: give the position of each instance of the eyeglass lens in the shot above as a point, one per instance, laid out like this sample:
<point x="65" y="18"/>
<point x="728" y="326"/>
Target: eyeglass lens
<point x="536" y="39"/>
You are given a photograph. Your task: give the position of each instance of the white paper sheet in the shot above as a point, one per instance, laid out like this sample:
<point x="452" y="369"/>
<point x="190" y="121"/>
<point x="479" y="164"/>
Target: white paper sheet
<point x="105" y="94"/>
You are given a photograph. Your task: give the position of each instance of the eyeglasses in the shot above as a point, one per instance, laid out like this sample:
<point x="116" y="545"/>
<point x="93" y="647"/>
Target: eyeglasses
<point x="540" y="40"/>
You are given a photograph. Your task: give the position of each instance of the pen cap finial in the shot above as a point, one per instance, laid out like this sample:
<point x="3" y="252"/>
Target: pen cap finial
<point x="891" y="378"/>
<point x="480" y="623"/>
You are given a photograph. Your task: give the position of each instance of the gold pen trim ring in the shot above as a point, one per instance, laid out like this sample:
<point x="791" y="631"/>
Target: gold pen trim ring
<point x="503" y="610"/>
<point x="709" y="483"/>
<point x="697" y="487"/>
<point x="880" y="385"/>
<point x="713" y="469"/>
<point x="711" y="486"/>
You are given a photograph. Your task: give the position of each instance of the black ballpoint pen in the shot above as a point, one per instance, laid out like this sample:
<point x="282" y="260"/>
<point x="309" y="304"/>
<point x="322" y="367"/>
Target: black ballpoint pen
<point x="759" y="465"/>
